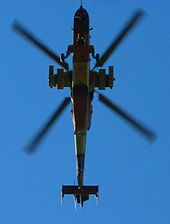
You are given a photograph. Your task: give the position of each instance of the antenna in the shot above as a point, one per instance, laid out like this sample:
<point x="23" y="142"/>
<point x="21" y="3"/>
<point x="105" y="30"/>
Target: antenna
<point x="81" y="3"/>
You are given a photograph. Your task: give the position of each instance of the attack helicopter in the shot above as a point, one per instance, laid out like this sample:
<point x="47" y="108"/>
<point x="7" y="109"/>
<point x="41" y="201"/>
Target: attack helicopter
<point x="83" y="81"/>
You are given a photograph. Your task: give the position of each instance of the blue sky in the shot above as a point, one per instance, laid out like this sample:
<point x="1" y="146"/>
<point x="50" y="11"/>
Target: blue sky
<point x="134" y="176"/>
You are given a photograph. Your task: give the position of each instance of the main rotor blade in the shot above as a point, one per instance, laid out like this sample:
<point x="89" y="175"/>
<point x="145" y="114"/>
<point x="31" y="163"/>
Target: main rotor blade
<point x="29" y="36"/>
<point x="116" y="42"/>
<point x="146" y="132"/>
<point x="32" y="146"/>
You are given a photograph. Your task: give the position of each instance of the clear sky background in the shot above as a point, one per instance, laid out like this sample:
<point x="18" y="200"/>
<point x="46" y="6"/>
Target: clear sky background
<point x="133" y="175"/>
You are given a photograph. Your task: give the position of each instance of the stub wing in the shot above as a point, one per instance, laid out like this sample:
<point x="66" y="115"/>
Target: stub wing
<point x="61" y="79"/>
<point x="101" y="80"/>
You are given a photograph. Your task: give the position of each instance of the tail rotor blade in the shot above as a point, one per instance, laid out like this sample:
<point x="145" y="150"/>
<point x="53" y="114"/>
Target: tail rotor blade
<point x="32" y="146"/>
<point x="146" y="132"/>
<point x="116" y="42"/>
<point x="29" y="36"/>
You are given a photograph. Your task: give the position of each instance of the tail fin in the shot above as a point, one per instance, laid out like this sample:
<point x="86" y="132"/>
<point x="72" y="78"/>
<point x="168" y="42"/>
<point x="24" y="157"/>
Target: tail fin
<point x="80" y="199"/>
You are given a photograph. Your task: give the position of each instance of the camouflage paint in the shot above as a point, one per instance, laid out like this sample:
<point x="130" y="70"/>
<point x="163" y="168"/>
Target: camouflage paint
<point x="80" y="87"/>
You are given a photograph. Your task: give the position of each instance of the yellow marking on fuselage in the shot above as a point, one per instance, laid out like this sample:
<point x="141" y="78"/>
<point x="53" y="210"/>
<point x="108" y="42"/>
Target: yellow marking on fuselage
<point x="80" y="143"/>
<point x="80" y="74"/>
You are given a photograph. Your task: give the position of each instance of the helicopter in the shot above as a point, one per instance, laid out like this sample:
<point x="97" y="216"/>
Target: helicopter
<point x="83" y="81"/>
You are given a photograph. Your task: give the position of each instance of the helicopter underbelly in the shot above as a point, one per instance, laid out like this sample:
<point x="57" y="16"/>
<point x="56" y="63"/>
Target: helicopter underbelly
<point x="80" y="74"/>
<point x="80" y="86"/>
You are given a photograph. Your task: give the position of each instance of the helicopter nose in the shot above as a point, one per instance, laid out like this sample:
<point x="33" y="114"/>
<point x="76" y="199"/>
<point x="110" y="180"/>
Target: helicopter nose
<point x="81" y="20"/>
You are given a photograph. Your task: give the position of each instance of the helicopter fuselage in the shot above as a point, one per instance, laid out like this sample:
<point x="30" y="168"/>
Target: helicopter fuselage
<point x="81" y="96"/>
